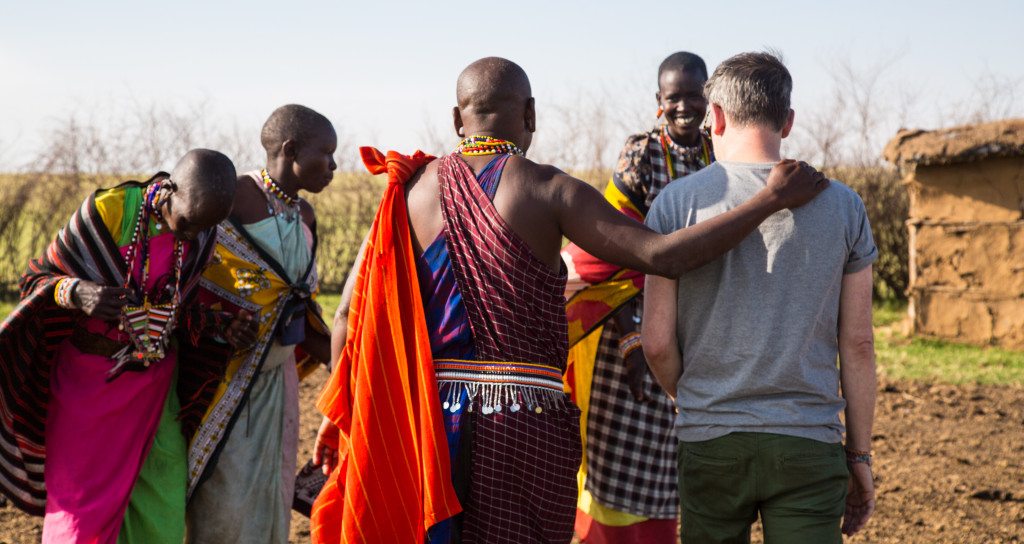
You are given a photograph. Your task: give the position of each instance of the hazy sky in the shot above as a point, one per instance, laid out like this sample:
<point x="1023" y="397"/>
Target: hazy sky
<point x="385" y="72"/>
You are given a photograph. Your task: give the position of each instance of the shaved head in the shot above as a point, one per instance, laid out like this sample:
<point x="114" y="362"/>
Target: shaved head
<point x="293" y="122"/>
<point x="204" y="181"/>
<point x="492" y="85"/>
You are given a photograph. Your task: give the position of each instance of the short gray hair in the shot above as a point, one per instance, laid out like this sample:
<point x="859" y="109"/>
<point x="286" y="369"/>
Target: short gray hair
<point x="752" y="89"/>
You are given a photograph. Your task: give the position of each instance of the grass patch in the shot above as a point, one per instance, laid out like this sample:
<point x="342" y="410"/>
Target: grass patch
<point x="888" y="312"/>
<point x="329" y="304"/>
<point x="935" y="361"/>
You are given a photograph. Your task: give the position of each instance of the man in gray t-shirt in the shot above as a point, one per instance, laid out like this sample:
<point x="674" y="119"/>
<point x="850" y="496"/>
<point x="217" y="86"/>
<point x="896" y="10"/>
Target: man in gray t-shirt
<point x="748" y="344"/>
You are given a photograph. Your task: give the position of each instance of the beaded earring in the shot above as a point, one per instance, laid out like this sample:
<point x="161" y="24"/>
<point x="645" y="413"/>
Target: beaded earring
<point x="661" y="111"/>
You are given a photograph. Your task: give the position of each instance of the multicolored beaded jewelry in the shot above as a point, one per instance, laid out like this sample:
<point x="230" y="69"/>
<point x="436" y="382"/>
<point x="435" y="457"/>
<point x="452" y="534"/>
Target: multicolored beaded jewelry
<point x="629" y="343"/>
<point x="147" y="325"/>
<point x="286" y="206"/>
<point x="63" y="290"/>
<point x="486" y="145"/>
<point x="276" y="189"/>
<point x="706" y="153"/>
<point x="154" y="198"/>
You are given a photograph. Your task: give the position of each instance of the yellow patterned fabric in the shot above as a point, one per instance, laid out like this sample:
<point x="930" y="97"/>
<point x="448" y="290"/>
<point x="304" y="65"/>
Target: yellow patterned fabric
<point x="241" y="277"/>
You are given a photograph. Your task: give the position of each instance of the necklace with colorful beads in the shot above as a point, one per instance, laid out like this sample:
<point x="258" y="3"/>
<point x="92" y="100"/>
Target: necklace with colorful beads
<point x="148" y="325"/>
<point x="665" y="146"/>
<point x="287" y="206"/>
<point x="276" y="189"/>
<point x="486" y="145"/>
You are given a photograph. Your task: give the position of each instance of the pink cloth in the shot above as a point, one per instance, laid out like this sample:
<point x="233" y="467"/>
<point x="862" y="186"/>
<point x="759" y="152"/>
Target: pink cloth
<point x="98" y="433"/>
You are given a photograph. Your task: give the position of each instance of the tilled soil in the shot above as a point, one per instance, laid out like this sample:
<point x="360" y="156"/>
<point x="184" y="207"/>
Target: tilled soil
<point x="949" y="465"/>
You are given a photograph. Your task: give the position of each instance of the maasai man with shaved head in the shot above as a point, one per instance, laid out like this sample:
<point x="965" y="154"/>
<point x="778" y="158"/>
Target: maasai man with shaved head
<point x="445" y="416"/>
<point x="242" y="459"/>
<point x="626" y="415"/>
<point x="95" y="404"/>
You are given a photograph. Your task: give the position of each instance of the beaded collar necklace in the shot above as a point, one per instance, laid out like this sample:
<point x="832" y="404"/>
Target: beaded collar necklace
<point x="147" y="325"/>
<point x="666" y="146"/>
<point x="282" y="204"/>
<point x="276" y="189"/>
<point x="486" y="145"/>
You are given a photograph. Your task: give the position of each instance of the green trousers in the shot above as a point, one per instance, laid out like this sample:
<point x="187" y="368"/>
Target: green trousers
<point x="797" y="485"/>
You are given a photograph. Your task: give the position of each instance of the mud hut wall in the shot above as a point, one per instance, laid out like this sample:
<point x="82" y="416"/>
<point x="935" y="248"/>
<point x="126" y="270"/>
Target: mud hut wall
<point x="965" y="317"/>
<point x="986" y="191"/>
<point x="967" y="251"/>
<point x="971" y="258"/>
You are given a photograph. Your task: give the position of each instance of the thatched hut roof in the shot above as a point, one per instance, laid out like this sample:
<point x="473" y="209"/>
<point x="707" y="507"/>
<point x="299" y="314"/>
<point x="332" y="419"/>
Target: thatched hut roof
<point x="958" y="144"/>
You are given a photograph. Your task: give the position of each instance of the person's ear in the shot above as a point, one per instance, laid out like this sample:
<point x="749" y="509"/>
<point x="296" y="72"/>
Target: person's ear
<point x="289" y="150"/>
<point x="460" y="129"/>
<point x="530" y="116"/>
<point x="788" y="127"/>
<point x="717" y="120"/>
<point x="657" y="97"/>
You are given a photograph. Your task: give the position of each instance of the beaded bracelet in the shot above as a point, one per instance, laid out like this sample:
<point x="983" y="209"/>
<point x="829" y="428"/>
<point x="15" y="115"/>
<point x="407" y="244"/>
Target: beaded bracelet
<point x="629" y="343"/>
<point x="63" y="291"/>
<point x="629" y="351"/>
<point x="854" y="456"/>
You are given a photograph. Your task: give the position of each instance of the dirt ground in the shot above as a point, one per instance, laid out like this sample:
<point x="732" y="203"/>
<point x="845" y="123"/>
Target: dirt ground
<point x="949" y="466"/>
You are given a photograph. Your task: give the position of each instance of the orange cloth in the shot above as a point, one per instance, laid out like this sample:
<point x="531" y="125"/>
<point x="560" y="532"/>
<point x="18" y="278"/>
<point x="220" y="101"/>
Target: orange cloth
<point x="395" y="481"/>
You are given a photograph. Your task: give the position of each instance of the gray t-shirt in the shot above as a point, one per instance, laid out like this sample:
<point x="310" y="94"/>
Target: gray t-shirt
<point x="758" y="328"/>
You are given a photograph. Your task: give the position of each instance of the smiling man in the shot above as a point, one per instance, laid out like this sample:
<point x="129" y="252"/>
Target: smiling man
<point x="626" y="414"/>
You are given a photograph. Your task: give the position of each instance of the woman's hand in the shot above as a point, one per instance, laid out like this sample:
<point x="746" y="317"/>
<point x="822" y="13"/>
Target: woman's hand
<point x="99" y="300"/>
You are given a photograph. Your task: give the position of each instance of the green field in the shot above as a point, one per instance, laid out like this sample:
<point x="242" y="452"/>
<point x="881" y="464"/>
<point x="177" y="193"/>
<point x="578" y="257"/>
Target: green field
<point x="899" y="357"/>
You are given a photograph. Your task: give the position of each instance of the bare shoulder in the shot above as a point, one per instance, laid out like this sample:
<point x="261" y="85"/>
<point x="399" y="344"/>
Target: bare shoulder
<point x="539" y="176"/>
<point x="546" y="181"/>
<point x="424" y="181"/>
<point x="250" y="203"/>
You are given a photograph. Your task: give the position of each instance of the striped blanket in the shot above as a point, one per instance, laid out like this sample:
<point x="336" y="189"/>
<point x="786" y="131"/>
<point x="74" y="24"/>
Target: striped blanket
<point x="29" y="337"/>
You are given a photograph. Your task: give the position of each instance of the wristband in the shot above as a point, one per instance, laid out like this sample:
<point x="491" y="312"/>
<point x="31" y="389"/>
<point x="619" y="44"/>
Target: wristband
<point x="854" y="456"/>
<point x="629" y="343"/>
<point x="629" y="351"/>
<point x="62" y="292"/>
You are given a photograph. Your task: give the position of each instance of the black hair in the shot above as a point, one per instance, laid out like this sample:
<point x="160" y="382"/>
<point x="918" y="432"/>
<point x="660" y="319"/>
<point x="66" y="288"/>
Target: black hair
<point x="685" y="62"/>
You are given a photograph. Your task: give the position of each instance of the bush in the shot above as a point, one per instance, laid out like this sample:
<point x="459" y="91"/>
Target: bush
<point x="40" y="204"/>
<point x="887" y="205"/>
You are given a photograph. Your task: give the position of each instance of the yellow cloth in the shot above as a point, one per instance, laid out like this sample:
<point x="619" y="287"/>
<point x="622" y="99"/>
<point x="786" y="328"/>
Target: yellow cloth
<point x="262" y="287"/>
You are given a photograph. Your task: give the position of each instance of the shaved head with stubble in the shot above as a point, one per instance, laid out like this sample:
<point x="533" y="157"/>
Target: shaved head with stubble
<point x="202" y="194"/>
<point x="494" y="98"/>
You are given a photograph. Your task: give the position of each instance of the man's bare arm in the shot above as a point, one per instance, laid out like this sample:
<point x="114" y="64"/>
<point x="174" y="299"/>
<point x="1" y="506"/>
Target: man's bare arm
<point x="661" y="344"/>
<point x="326" y="452"/>
<point x="587" y="219"/>
<point x="339" y="329"/>
<point x="858" y="381"/>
